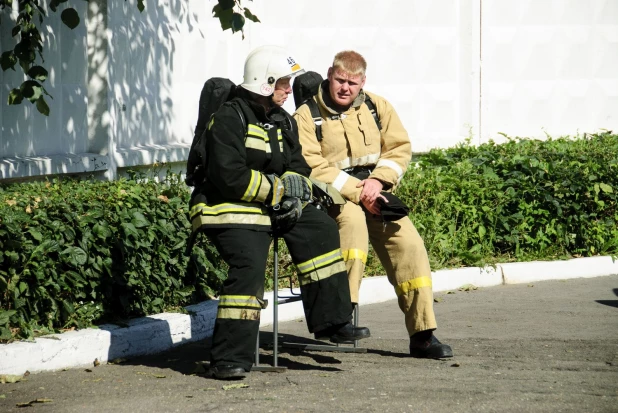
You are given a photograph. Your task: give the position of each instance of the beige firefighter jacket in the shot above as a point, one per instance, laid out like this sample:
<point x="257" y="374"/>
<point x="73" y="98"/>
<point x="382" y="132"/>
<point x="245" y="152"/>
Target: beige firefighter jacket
<point x="353" y="139"/>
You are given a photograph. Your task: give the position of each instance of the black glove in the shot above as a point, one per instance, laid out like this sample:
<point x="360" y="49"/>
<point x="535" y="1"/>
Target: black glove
<point x="393" y="210"/>
<point x="286" y="216"/>
<point x="289" y="186"/>
<point x="296" y="186"/>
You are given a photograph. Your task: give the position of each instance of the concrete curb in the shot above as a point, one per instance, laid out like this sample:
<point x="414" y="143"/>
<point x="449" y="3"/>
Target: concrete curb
<point x="160" y="332"/>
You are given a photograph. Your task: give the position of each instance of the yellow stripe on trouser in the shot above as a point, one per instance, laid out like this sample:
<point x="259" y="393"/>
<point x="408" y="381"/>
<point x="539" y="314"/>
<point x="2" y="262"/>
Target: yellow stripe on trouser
<point x="248" y="307"/>
<point x="239" y="301"/>
<point x="402" y="253"/>
<point x="238" y="314"/>
<point x="321" y="267"/>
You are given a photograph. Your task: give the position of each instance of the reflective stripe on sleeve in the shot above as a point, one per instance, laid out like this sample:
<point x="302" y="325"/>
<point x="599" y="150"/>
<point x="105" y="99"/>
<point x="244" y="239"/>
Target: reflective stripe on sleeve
<point x="340" y="181"/>
<point x="391" y="164"/>
<point x="252" y="188"/>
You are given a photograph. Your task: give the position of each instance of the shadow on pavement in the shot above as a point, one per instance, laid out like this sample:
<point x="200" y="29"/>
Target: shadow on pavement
<point x="193" y="358"/>
<point x="610" y="303"/>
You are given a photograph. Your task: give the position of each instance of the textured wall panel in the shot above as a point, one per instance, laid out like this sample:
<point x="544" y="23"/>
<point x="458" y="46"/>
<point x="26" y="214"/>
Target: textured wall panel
<point x="549" y="67"/>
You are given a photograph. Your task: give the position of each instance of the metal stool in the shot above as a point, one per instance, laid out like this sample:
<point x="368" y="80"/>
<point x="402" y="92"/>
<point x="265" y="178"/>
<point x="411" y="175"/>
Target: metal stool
<point x="295" y="296"/>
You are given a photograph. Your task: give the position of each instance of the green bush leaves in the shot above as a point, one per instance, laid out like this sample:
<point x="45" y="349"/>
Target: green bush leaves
<point x="522" y="200"/>
<point x="74" y="253"/>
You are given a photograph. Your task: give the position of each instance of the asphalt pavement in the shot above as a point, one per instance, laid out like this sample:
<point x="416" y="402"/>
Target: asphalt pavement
<point x="549" y="346"/>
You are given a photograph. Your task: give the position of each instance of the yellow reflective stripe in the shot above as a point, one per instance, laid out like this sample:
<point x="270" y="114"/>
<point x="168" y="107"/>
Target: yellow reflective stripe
<point x="238" y="314"/>
<point x="413" y="284"/>
<point x="354" y="254"/>
<point x="322" y="273"/>
<point x="212" y="121"/>
<point x="239" y="301"/>
<point x="227" y="219"/>
<point x="279" y="135"/>
<point x="226" y="208"/>
<point x="257" y="144"/>
<point x="252" y="188"/>
<point x="319" y="262"/>
<point x="254" y="130"/>
<point x="263" y="191"/>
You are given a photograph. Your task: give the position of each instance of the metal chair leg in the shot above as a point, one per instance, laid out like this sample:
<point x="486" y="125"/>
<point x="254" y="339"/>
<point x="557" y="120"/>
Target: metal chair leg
<point x="275" y="367"/>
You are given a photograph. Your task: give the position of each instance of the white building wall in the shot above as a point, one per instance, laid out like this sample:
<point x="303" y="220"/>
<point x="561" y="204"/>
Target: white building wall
<point x="549" y="66"/>
<point x="126" y="84"/>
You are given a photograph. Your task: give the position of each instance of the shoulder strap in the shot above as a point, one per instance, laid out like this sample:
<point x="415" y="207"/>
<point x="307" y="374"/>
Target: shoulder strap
<point x="237" y="105"/>
<point x="374" y="111"/>
<point x="317" y="118"/>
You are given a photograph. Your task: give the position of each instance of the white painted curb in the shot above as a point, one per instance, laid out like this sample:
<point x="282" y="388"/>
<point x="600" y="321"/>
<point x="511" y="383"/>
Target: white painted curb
<point x="160" y="332"/>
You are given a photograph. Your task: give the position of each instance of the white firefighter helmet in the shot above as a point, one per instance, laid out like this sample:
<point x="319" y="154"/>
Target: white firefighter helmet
<point x="265" y="65"/>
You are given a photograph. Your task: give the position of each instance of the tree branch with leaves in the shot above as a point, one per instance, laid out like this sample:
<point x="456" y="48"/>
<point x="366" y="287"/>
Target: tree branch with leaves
<point x="28" y="51"/>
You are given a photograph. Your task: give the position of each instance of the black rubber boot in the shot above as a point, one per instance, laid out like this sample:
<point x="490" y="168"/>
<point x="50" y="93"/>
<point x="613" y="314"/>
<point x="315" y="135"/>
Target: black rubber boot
<point x="425" y="345"/>
<point x="343" y="333"/>
<point x="228" y="372"/>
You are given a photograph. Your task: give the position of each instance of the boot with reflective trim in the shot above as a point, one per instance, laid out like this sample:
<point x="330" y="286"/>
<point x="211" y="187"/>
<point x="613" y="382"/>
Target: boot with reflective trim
<point x="425" y="345"/>
<point x="228" y="372"/>
<point x="343" y="333"/>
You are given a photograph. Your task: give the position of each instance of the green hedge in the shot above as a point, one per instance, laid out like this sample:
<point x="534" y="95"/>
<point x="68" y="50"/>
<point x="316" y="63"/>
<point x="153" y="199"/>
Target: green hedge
<point x="518" y="201"/>
<point x="74" y="253"/>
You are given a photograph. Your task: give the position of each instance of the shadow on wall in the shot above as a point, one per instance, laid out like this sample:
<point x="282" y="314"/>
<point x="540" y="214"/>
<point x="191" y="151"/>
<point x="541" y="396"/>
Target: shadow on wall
<point x="113" y="77"/>
<point x="143" y="72"/>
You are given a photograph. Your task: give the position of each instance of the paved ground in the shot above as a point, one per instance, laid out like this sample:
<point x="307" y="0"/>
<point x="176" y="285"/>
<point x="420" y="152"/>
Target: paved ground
<point x="547" y="347"/>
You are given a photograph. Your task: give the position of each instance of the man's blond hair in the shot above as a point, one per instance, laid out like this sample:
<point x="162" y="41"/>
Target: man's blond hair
<point x="350" y="62"/>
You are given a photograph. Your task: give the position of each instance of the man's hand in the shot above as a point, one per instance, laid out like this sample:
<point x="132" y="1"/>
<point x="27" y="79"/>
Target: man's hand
<point x="370" y="194"/>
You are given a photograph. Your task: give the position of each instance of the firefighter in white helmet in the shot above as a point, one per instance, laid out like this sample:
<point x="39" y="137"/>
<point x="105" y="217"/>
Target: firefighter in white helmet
<point x="257" y="184"/>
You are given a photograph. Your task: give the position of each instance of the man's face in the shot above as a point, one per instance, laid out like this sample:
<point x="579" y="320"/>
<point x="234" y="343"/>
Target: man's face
<point x="282" y="90"/>
<point x="344" y="87"/>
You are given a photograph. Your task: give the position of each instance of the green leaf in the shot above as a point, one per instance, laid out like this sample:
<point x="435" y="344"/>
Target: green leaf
<point x="38" y="73"/>
<point x="77" y="256"/>
<point x="606" y="188"/>
<point x="251" y="16"/>
<point x="8" y="60"/>
<point x="15" y="97"/>
<point x="31" y="90"/>
<point x="225" y="17"/>
<point x="226" y="4"/>
<point x="139" y="220"/>
<point x="140" y="5"/>
<point x="70" y="18"/>
<point x="102" y="231"/>
<point x="35" y="234"/>
<point x="129" y="229"/>
<point x="24" y="51"/>
<point x="15" y="30"/>
<point x="42" y="106"/>
<point x="238" y="22"/>
<point x="5" y="334"/>
<point x="6" y="315"/>
<point x="482" y="231"/>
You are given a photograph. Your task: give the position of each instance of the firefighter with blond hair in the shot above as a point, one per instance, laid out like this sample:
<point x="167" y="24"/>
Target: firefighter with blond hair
<point x="355" y="141"/>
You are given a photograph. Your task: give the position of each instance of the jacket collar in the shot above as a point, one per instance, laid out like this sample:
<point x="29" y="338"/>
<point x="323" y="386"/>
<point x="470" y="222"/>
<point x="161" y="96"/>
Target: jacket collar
<point x="324" y="99"/>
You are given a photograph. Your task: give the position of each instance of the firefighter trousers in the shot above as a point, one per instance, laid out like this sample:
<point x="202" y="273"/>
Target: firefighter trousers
<point x="314" y="246"/>
<point x="402" y="253"/>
